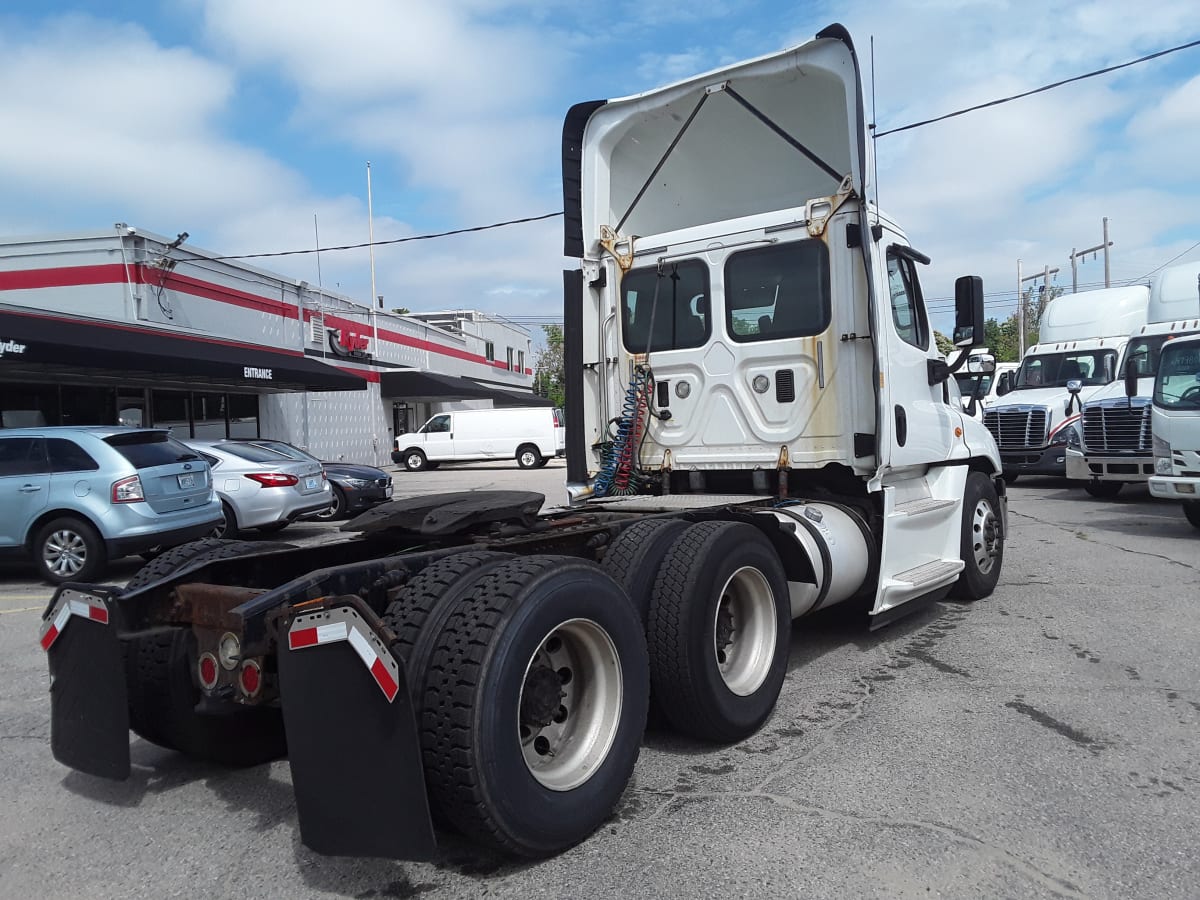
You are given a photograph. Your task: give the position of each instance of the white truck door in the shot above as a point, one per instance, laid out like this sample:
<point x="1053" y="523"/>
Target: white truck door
<point x="439" y="437"/>
<point x="919" y="427"/>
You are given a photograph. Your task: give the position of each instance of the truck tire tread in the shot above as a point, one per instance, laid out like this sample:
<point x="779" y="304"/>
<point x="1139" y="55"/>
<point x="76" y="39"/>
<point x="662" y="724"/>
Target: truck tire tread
<point x="464" y="667"/>
<point x="684" y="676"/>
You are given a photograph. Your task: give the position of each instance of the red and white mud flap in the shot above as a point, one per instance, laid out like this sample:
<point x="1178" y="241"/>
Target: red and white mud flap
<point x="89" y="712"/>
<point x="351" y="735"/>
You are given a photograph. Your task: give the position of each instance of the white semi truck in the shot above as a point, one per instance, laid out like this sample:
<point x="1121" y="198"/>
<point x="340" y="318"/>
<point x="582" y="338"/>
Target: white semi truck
<point x="757" y="429"/>
<point x="1175" y="419"/>
<point x="1080" y="338"/>
<point x="1115" y="447"/>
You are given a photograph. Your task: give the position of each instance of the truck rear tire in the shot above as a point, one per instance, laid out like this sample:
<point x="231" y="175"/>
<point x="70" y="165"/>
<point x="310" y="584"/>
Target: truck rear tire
<point x="417" y="615"/>
<point x="1103" y="490"/>
<point x="719" y="631"/>
<point x="634" y="558"/>
<point x="535" y="705"/>
<point x="982" y="540"/>
<point x="204" y="550"/>
<point x="163" y="698"/>
<point x="1191" y="511"/>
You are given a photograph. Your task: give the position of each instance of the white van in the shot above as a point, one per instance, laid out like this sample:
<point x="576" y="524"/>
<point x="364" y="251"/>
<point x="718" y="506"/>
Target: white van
<point x="530" y="435"/>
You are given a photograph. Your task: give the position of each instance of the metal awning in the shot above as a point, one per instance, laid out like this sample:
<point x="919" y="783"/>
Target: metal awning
<point x="34" y="342"/>
<point x="423" y="387"/>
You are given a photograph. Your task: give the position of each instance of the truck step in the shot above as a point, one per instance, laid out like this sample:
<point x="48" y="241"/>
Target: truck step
<point x="921" y="505"/>
<point x="929" y="575"/>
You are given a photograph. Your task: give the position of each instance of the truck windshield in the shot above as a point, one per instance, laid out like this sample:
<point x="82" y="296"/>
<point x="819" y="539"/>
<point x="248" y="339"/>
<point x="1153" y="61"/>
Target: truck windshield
<point x="1145" y="351"/>
<point x="967" y="381"/>
<point x="1056" y="369"/>
<point x="1178" y="383"/>
<point x="665" y="309"/>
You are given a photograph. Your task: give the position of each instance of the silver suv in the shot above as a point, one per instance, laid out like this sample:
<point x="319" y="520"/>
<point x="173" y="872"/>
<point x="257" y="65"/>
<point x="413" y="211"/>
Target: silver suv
<point x="74" y="497"/>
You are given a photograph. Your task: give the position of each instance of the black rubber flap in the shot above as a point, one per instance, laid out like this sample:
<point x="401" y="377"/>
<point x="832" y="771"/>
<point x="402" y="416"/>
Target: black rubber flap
<point x="443" y="514"/>
<point x="89" y="711"/>
<point x="355" y="757"/>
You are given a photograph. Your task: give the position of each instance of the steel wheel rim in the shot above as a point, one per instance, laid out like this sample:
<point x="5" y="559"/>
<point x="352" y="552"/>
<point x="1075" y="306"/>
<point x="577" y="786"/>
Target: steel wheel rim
<point x="527" y="459"/>
<point x="414" y="461"/>
<point x="984" y="537"/>
<point x="335" y="507"/>
<point x="745" y="631"/>
<point x="564" y="749"/>
<point x="64" y="552"/>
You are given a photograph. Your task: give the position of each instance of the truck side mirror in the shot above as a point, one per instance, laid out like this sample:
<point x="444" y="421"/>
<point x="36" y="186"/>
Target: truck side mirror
<point x="1074" y="386"/>
<point x="1131" y="377"/>
<point x="1003" y="384"/>
<point x="968" y="311"/>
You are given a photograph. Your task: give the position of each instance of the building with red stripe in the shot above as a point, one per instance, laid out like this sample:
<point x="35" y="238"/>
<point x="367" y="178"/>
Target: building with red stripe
<point x="126" y="326"/>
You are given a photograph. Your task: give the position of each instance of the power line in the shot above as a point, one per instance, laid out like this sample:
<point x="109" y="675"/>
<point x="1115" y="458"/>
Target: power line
<point x="1039" y="90"/>
<point x="1169" y="261"/>
<point x="403" y="240"/>
<point x="877" y="134"/>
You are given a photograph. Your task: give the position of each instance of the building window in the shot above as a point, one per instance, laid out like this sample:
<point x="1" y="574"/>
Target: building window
<point x="489" y="351"/>
<point x="521" y="361"/>
<point x="510" y="358"/>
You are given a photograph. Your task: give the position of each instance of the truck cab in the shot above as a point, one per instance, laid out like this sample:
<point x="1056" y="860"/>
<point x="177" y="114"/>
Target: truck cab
<point x="1176" y="425"/>
<point x="750" y="323"/>
<point x="1080" y="340"/>
<point x="1115" y="429"/>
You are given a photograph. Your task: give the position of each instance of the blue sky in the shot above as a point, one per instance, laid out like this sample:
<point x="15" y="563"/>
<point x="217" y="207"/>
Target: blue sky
<point x="239" y="121"/>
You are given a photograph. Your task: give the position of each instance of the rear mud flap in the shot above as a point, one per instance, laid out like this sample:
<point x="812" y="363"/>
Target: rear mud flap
<point x="352" y="736"/>
<point x="89" y="711"/>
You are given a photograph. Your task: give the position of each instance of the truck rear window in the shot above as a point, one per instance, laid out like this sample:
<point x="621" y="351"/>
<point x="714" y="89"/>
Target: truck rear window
<point x="147" y="449"/>
<point x="778" y="292"/>
<point x="665" y="309"/>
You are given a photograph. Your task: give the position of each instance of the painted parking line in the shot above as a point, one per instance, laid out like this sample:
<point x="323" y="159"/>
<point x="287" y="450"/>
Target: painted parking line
<point x="5" y="612"/>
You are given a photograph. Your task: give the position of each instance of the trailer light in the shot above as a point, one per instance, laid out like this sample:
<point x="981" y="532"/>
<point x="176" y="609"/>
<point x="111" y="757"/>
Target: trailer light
<point x="251" y="678"/>
<point x="761" y="384"/>
<point x="230" y="651"/>
<point x="207" y="670"/>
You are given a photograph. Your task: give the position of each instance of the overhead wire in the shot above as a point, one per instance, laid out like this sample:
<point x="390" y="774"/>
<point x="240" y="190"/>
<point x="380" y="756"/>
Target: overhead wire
<point x="876" y="134"/>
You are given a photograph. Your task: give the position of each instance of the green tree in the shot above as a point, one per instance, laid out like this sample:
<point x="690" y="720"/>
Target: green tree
<point x="944" y="344"/>
<point x="548" y="372"/>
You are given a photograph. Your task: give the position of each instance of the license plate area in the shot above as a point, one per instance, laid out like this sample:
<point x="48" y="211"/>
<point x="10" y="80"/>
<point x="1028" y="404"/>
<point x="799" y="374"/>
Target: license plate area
<point x="187" y="480"/>
<point x="312" y="483"/>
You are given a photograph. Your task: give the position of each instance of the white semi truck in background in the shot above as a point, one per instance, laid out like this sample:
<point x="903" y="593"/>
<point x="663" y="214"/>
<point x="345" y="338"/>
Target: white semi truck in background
<point x="1115" y="447"/>
<point x="1175" y="416"/>
<point x="1080" y="338"/>
<point x="756" y="429"/>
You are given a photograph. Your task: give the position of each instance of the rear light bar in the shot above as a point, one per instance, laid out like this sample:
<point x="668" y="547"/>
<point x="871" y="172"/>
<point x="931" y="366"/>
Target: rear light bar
<point x="273" y="479"/>
<point x="128" y="490"/>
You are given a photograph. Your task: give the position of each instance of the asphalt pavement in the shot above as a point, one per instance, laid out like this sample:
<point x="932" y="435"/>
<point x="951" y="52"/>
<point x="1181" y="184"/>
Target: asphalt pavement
<point x="1040" y="743"/>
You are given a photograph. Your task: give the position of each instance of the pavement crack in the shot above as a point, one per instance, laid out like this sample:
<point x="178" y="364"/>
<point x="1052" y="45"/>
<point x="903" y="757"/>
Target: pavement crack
<point x="1070" y="530"/>
<point x="1056" y="885"/>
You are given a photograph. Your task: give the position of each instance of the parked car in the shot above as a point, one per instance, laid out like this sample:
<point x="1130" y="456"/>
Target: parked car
<point x="73" y="498"/>
<point x="531" y="435"/>
<point x="355" y="487"/>
<point x="262" y="489"/>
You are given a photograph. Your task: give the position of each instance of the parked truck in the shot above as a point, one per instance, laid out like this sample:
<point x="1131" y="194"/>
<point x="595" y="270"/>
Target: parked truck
<point x="1115" y="429"/>
<point x="1080" y="338"/>
<point x="1175" y="420"/>
<point x="757" y="430"/>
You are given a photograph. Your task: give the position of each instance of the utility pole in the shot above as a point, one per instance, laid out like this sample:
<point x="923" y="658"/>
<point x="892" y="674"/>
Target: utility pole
<point x="1044" y="275"/>
<point x="1075" y="255"/>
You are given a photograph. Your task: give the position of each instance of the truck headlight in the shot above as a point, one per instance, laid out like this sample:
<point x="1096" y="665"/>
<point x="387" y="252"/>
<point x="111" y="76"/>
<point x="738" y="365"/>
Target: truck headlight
<point x="1066" y="437"/>
<point x="1162" y="455"/>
